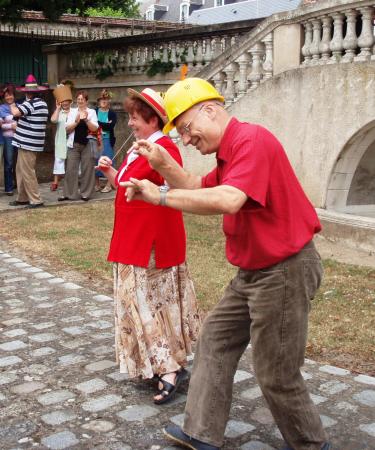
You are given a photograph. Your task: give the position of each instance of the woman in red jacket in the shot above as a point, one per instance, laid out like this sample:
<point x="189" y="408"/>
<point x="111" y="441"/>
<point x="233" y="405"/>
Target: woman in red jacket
<point x="156" y="314"/>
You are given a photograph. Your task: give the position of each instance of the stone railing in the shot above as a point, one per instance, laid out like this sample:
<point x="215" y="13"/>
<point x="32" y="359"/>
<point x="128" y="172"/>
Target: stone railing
<point x="150" y="54"/>
<point x="327" y="43"/>
<point x="331" y="31"/>
<point x="71" y="27"/>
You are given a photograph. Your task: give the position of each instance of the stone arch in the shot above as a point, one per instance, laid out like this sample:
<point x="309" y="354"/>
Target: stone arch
<point x="351" y="186"/>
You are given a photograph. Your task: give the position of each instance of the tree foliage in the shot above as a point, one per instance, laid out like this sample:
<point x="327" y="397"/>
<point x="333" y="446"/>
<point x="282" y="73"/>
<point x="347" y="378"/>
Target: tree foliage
<point x="11" y="11"/>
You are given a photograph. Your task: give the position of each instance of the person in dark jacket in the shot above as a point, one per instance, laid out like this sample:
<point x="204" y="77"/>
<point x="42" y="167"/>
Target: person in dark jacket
<point x="107" y="119"/>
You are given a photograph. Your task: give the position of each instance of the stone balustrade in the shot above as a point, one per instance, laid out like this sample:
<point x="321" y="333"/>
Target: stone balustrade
<point x="332" y="32"/>
<point x="340" y="36"/>
<point x="235" y="57"/>
<point x="156" y="56"/>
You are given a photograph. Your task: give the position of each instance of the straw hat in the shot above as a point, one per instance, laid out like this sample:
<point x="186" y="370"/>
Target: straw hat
<point x="153" y="100"/>
<point x="62" y="93"/>
<point x="31" y="85"/>
<point x="105" y="95"/>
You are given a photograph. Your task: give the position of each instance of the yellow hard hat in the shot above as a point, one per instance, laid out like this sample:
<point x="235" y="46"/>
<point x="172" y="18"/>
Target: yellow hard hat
<point x="184" y="94"/>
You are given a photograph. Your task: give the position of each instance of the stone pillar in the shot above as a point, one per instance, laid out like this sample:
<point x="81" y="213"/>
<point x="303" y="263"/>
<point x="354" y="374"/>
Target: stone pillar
<point x="56" y="64"/>
<point x="287" y="44"/>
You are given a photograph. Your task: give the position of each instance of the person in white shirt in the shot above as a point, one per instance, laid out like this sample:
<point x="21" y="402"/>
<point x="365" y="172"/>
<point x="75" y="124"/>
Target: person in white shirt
<point x="81" y="122"/>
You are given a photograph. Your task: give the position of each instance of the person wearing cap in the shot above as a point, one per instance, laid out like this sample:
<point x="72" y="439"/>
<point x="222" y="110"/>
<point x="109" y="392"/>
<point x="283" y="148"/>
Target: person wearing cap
<point x="29" y="138"/>
<point x="269" y="224"/>
<point x="64" y="98"/>
<point x="156" y="314"/>
<point x="107" y="119"/>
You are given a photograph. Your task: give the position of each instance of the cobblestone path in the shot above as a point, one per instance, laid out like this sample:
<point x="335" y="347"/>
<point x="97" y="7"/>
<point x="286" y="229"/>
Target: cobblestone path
<point x="60" y="387"/>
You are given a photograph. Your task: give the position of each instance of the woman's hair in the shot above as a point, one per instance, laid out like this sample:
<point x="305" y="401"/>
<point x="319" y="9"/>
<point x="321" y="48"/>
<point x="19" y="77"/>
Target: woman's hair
<point x="8" y="89"/>
<point x="84" y="94"/>
<point x="134" y="104"/>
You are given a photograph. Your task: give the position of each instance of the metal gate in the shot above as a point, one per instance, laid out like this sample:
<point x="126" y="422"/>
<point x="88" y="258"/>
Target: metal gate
<point x="21" y="56"/>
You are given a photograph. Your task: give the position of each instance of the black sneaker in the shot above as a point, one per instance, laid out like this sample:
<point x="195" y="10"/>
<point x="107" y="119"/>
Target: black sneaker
<point x="175" y="434"/>
<point x="326" y="446"/>
<point x="17" y="203"/>
<point x="34" y="205"/>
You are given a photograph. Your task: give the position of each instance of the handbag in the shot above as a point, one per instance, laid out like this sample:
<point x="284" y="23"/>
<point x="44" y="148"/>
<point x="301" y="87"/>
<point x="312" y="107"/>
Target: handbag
<point x="95" y="141"/>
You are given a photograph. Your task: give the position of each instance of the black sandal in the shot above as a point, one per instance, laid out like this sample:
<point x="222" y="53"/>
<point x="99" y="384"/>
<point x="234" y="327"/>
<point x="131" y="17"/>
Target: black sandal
<point x="169" y="390"/>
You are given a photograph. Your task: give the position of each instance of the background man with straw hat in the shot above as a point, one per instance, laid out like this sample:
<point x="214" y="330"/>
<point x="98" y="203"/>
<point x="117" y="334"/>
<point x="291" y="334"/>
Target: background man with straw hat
<point x="29" y="138"/>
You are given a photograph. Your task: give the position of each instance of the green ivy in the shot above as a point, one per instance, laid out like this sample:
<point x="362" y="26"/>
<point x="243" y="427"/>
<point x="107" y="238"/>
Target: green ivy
<point x="104" y="73"/>
<point x="99" y="58"/>
<point x="158" y="66"/>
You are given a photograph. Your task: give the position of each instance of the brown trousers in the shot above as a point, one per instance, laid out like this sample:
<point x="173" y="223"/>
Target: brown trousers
<point x="27" y="183"/>
<point x="271" y="306"/>
<point x="79" y="154"/>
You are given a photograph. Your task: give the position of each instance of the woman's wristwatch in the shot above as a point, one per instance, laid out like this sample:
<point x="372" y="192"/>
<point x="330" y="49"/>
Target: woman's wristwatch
<point x="163" y="194"/>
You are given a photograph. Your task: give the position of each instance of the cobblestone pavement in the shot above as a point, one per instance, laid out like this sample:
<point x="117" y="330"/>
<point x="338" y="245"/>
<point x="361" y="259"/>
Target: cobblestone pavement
<point x="61" y="388"/>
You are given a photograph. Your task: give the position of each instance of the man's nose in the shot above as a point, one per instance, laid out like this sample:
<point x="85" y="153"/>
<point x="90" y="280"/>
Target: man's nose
<point x="186" y="138"/>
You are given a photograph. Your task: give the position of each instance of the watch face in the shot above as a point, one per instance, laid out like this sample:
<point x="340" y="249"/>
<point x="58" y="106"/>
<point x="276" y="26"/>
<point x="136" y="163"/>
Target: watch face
<point x="164" y="188"/>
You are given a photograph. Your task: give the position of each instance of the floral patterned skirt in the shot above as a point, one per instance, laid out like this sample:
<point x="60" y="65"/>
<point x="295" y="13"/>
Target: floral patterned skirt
<point x="156" y="318"/>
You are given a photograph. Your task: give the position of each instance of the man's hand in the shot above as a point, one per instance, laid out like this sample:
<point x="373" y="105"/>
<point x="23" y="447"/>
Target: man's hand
<point x="154" y="153"/>
<point x="104" y="163"/>
<point x="142" y="190"/>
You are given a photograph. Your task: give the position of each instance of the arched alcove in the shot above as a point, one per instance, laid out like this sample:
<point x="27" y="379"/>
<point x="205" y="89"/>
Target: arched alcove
<point x="351" y="187"/>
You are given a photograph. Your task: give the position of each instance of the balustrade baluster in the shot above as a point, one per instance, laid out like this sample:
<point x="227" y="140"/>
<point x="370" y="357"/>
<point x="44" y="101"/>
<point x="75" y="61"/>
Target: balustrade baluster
<point x="314" y="48"/>
<point x="122" y="60"/>
<point x="256" y="70"/>
<point x="157" y="52"/>
<point x="217" y="47"/>
<point x="165" y="52"/>
<point x="173" y="53"/>
<point x="142" y="58"/>
<point x="268" y="61"/>
<point x="350" y="40"/>
<point x="243" y="63"/>
<point x="208" y="51"/>
<point x="199" y="54"/>
<point x="218" y="81"/>
<point x="336" y="44"/>
<point x="306" y="47"/>
<point x="366" y="39"/>
<point x="230" y="71"/>
<point x="190" y="53"/>
<point x="324" y="47"/>
<point x="129" y="58"/>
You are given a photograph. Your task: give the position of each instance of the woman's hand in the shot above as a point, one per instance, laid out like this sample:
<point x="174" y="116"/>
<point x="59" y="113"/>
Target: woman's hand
<point x="104" y="163"/>
<point x="58" y="105"/>
<point x="78" y="118"/>
<point x="154" y="153"/>
<point x="83" y="114"/>
<point x="141" y="190"/>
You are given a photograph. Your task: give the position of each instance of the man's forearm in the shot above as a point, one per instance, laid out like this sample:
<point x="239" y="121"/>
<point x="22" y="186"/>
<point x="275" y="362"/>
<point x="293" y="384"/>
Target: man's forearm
<point x="219" y="200"/>
<point x="177" y="177"/>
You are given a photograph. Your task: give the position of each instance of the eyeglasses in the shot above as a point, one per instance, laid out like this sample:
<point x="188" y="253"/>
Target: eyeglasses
<point x="186" y="128"/>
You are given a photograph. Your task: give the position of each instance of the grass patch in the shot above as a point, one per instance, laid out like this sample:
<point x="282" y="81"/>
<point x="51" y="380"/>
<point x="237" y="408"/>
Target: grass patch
<point x="77" y="237"/>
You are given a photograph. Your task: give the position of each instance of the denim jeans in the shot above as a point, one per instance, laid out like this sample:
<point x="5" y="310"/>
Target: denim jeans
<point x="10" y="158"/>
<point x="271" y="307"/>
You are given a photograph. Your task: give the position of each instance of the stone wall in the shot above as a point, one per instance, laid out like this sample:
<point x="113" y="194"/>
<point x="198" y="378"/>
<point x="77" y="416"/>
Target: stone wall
<point x="316" y="112"/>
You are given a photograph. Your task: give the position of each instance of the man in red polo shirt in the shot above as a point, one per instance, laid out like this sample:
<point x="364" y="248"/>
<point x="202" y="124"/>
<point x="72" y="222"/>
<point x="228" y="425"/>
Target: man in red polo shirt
<point x="269" y="224"/>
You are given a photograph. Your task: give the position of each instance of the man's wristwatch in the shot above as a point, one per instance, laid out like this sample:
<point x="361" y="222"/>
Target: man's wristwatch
<point x="163" y="194"/>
